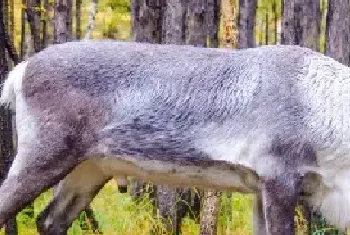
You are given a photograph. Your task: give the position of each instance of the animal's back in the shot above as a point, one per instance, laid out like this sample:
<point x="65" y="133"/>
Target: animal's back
<point x="224" y="83"/>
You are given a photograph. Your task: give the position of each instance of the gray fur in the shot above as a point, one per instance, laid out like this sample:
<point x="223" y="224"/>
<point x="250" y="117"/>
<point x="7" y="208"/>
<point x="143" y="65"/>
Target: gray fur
<point x="242" y="120"/>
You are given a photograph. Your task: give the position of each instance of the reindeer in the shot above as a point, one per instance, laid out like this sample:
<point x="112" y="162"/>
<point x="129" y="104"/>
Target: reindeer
<point x="272" y="120"/>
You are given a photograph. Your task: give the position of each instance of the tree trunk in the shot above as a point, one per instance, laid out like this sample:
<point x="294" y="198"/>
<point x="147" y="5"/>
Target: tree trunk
<point x="196" y="25"/>
<point x="78" y="19"/>
<point x="62" y="19"/>
<point x="9" y="28"/>
<point x="45" y="36"/>
<point x="247" y="13"/>
<point x="212" y="21"/>
<point x="174" y="21"/>
<point x="166" y="201"/>
<point x="338" y="31"/>
<point x="6" y="141"/>
<point x="147" y="20"/>
<point x="301" y="23"/>
<point x="33" y="17"/>
<point x="91" y="25"/>
<point x="229" y="23"/>
<point x="210" y="213"/>
<point x="23" y="31"/>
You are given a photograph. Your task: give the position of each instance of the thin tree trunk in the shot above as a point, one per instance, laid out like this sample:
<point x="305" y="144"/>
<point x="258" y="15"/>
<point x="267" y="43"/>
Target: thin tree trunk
<point x="291" y="17"/>
<point x="196" y="25"/>
<point x="247" y="13"/>
<point x="69" y="22"/>
<point x="229" y="24"/>
<point x="173" y="23"/>
<point x="33" y="17"/>
<point x="147" y="20"/>
<point x="166" y="201"/>
<point x="11" y="50"/>
<point x="6" y="141"/>
<point x="62" y="13"/>
<point x="311" y="21"/>
<point x="78" y="19"/>
<point x="275" y="19"/>
<point x="338" y="31"/>
<point x="8" y="35"/>
<point x="11" y="20"/>
<point x="23" y="30"/>
<point x="92" y="16"/>
<point x="210" y="213"/>
<point x="213" y="20"/>
<point x="267" y="27"/>
<point x="301" y="23"/>
<point x="44" y="41"/>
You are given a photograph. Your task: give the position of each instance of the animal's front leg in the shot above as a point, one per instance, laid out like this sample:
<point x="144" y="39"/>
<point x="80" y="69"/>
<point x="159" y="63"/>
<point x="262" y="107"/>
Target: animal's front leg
<point x="280" y="197"/>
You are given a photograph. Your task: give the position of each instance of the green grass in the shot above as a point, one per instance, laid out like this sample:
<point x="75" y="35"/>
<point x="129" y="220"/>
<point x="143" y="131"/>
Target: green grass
<point x="118" y="214"/>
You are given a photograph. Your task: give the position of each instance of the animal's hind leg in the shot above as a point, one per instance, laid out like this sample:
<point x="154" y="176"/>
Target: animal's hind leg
<point x="38" y="165"/>
<point x="259" y="224"/>
<point x="73" y="194"/>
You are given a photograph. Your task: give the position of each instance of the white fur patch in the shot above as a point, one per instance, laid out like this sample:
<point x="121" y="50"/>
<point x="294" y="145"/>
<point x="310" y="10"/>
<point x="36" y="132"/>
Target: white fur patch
<point x="13" y="85"/>
<point x="331" y="196"/>
<point x="333" y="201"/>
<point x="249" y="151"/>
<point x="26" y="125"/>
<point x="326" y="92"/>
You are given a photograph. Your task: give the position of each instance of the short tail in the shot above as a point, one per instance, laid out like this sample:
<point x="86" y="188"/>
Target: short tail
<point x="13" y="85"/>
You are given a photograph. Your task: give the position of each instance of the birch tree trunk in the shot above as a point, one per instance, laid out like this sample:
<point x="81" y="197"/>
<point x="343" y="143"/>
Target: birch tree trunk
<point x="210" y="213"/>
<point x="92" y="15"/>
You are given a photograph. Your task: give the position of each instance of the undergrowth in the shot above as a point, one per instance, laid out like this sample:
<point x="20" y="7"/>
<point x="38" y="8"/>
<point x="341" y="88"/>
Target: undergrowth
<point x="119" y="214"/>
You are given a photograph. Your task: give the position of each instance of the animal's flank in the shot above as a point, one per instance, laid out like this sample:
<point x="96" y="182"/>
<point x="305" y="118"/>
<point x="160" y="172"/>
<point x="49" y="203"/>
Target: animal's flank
<point x="12" y="85"/>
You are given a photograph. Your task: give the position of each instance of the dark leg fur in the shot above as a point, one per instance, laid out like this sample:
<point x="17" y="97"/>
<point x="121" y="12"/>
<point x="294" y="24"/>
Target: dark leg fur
<point x="259" y="223"/>
<point x="280" y="192"/>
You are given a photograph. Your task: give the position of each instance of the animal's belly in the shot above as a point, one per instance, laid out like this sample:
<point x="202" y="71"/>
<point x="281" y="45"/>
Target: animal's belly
<point x="218" y="176"/>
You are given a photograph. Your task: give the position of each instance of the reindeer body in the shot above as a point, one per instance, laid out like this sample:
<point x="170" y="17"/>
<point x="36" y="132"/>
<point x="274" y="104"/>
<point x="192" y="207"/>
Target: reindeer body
<point x="272" y="120"/>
